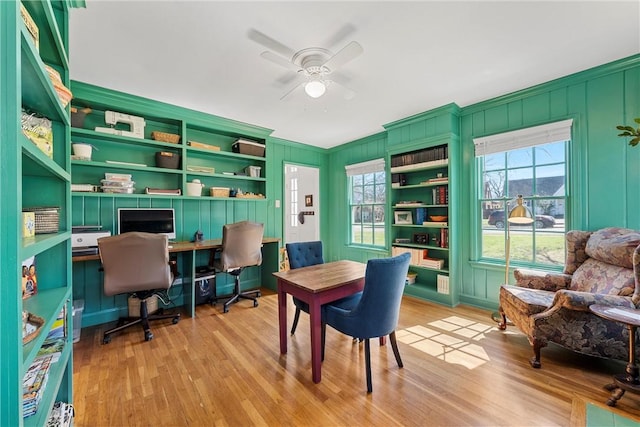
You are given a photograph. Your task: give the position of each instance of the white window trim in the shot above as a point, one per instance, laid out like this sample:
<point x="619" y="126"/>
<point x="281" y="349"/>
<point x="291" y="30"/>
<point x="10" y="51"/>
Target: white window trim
<point x="371" y="166"/>
<point x="523" y="138"/>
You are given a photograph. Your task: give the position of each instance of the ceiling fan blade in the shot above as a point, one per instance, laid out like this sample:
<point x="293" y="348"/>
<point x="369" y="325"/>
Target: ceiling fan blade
<point x="293" y="89"/>
<point x="345" y="55"/>
<point x="344" y="91"/>
<point x="270" y="43"/>
<point x="342" y="33"/>
<point x="270" y="56"/>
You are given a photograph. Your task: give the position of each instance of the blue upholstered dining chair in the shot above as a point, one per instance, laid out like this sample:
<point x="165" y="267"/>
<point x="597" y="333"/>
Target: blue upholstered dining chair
<point x="377" y="310"/>
<point x="303" y="254"/>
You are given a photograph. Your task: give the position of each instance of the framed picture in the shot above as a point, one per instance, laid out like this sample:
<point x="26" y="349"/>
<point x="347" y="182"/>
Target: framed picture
<point x="403" y="217"/>
<point x="308" y="200"/>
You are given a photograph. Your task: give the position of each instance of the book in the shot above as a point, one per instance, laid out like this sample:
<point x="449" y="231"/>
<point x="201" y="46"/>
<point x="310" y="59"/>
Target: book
<point x="36" y="375"/>
<point x="29" y="278"/>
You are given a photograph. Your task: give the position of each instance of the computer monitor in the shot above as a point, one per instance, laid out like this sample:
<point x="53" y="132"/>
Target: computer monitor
<point x="149" y="220"/>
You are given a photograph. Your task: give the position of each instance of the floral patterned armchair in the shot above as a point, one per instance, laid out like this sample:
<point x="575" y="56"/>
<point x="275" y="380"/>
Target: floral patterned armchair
<point x="602" y="267"/>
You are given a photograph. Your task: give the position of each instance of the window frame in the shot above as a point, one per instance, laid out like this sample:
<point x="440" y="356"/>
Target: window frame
<point x="480" y="197"/>
<point x="357" y="172"/>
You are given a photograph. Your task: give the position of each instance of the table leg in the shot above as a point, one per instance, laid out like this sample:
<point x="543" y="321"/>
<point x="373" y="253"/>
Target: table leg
<point x="315" y="321"/>
<point x="632" y="368"/>
<point x="282" y="319"/>
<point x="630" y="380"/>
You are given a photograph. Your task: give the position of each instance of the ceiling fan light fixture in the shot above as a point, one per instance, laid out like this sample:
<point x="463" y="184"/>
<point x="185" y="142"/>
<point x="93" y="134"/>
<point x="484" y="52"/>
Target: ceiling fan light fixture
<point x="315" y="88"/>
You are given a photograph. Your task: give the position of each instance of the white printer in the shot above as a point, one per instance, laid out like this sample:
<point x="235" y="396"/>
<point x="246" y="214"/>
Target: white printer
<point x="87" y="239"/>
<point x="84" y="238"/>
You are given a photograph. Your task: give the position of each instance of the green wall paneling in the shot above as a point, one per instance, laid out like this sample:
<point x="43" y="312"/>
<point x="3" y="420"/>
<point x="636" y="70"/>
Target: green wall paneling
<point x="338" y="247"/>
<point x="597" y="100"/>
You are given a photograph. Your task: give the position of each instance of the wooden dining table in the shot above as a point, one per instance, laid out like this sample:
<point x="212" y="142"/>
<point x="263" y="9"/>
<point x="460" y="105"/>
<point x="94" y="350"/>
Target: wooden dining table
<point x="316" y="285"/>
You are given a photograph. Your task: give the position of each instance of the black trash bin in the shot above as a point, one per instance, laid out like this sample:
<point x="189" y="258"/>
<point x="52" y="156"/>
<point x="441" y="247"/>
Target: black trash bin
<point x="205" y="288"/>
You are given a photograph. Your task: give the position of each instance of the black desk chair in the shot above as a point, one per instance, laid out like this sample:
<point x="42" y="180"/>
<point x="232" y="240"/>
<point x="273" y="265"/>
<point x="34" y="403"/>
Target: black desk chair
<point x="136" y="263"/>
<point x="241" y="248"/>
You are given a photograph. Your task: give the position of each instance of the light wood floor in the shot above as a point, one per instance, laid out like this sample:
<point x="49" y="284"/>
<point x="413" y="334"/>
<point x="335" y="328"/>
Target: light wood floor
<point x="226" y="369"/>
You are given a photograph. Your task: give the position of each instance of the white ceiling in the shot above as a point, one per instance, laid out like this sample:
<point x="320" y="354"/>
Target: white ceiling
<point x="418" y="55"/>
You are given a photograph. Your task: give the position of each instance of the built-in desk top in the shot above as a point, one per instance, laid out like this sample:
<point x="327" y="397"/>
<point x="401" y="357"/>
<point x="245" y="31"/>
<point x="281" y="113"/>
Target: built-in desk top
<point x="182" y="247"/>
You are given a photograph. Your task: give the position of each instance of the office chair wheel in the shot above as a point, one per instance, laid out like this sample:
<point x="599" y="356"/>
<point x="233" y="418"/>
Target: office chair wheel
<point x="175" y="320"/>
<point x="225" y="309"/>
<point x="258" y="294"/>
<point x="148" y="335"/>
<point x="255" y="303"/>
<point x="106" y="340"/>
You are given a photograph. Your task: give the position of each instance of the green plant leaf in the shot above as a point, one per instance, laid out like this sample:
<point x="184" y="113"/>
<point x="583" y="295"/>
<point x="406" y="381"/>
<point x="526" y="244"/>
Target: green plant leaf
<point x="634" y="141"/>
<point x="637" y="120"/>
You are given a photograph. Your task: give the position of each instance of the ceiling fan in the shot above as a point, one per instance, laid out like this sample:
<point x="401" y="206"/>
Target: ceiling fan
<point x="317" y="65"/>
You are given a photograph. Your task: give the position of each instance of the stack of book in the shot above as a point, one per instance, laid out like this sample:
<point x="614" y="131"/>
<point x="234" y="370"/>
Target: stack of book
<point x="434" y="263"/>
<point x="34" y="383"/>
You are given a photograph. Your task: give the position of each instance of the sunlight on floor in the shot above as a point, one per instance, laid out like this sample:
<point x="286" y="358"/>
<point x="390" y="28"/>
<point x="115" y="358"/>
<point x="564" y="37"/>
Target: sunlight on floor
<point x="450" y="339"/>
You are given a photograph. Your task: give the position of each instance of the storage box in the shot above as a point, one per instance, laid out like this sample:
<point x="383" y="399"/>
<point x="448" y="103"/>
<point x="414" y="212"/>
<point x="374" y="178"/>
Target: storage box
<point x="134" y="305"/>
<point x="47" y="219"/>
<point x="253" y="171"/>
<point x="78" y="309"/>
<point x="252" y="148"/>
<point x="220" y="191"/>
<point x="167" y="159"/>
<point x="165" y="137"/>
<point x="117" y="177"/>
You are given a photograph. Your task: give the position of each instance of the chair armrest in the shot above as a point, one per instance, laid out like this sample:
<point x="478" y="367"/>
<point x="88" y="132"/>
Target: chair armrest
<point x="541" y="280"/>
<point x="580" y="301"/>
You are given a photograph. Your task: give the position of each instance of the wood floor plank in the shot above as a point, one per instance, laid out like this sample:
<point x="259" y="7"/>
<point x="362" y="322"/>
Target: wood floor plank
<point x="226" y="370"/>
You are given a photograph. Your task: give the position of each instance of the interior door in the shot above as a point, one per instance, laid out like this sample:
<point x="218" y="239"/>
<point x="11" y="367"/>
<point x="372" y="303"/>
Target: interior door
<point x="302" y="203"/>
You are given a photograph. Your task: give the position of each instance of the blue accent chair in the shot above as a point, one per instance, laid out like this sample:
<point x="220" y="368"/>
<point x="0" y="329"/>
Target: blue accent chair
<point x="305" y="254"/>
<point x="376" y="313"/>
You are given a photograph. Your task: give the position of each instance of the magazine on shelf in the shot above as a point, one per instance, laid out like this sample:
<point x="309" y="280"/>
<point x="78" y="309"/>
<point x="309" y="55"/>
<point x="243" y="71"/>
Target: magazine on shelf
<point x="36" y="375"/>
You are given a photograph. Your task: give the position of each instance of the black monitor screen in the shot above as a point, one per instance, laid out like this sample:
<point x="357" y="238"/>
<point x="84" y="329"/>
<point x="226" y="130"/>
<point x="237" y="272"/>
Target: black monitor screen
<point x="150" y="220"/>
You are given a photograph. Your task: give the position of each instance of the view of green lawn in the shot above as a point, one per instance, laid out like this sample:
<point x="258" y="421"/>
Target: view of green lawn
<point x="550" y="246"/>
<point x="367" y="235"/>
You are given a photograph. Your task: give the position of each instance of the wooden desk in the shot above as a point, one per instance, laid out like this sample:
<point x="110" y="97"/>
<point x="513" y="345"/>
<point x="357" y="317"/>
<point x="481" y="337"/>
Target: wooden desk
<point x="93" y="294"/>
<point x="316" y="285"/>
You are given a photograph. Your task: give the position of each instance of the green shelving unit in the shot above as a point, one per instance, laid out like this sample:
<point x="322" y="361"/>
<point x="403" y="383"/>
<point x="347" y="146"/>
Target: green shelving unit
<point x="29" y="178"/>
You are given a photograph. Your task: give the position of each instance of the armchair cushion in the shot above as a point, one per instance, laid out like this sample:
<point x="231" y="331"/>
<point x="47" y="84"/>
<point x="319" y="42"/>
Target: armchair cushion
<point x="613" y="246"/>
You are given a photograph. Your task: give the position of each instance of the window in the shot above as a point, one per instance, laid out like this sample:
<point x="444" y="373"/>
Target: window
<point x="367" y="201"/>
<point x="529" y="162"/>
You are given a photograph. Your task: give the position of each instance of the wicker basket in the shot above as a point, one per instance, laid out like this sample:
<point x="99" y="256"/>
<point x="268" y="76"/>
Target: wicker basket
<point x="47" y="219"/>
<point x="165" y="137"/>
<point x="220" y="191"/>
